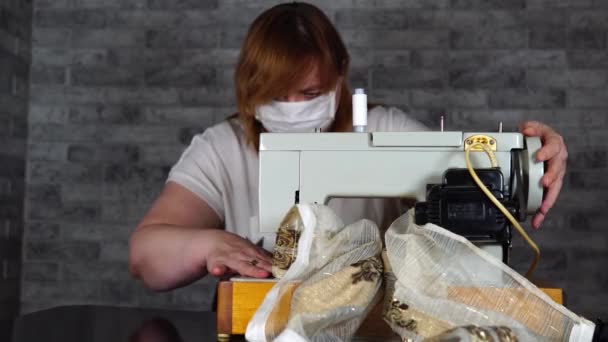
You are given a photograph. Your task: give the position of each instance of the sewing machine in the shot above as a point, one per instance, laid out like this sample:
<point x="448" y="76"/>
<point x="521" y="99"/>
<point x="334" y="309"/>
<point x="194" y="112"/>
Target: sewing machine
<point x="427" y="166"/>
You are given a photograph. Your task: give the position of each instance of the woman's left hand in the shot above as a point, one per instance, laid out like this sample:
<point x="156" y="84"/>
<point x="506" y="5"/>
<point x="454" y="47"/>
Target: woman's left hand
<point x="555" y="154"/>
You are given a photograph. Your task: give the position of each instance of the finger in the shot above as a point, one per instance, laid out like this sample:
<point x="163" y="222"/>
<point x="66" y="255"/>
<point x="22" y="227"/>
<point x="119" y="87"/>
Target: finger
<point x="551" y="196"/>
<point x="265" y="265"/>
<point x="553" y="145"/>
<point x="264" y="255"/>
<point x="538" y="220"/>
<point x="217" y="269"/>
<point x="555" y="170"/>
<point x="258" y="253"/>
<point x="548" y="201"/>
<point x="246" y="269"/>
<point x="257" y="259"/>
<point x="531" y="128"/>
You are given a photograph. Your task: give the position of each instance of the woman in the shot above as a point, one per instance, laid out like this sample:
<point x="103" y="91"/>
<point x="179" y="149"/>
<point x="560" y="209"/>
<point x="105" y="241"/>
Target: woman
<point x="291" y="76"/>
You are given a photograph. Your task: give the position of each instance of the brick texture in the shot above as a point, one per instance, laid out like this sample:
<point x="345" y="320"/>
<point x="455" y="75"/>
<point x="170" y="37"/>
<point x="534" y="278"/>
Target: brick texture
<point x="15" y="42"/>
<point x="119" y="87"/>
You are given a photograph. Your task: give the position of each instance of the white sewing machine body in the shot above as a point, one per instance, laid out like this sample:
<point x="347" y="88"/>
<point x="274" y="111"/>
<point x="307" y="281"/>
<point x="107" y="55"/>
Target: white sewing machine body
<point x="314" y="167"/>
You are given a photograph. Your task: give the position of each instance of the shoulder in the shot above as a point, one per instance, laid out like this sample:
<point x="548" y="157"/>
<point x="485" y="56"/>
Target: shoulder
<point x="224" y="133"/>
<point x="387" y="119"/>
<point x="227" y="127"/>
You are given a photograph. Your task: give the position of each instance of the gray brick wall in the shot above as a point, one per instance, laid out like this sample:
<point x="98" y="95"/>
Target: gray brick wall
<point x="119" y="87"/>
<point x="15" y="37"/>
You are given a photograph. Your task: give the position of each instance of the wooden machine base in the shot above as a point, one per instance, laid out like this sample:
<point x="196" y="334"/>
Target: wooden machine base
<point x="238" y="301"/>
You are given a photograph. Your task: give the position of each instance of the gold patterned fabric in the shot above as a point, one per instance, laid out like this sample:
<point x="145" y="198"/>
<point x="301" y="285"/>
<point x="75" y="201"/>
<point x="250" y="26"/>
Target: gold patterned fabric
<point x="286" y="245"/>
<point x="369" y="270"/>
<point x="352" y="286"/>
<point x="471" y="333"/>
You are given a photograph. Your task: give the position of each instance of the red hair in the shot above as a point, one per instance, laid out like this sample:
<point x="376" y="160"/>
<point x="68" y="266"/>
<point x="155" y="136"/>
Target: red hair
<point x="283" y="45"/>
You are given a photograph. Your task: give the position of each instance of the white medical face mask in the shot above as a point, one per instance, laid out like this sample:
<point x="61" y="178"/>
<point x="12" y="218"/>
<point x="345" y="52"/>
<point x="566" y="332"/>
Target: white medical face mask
<point x="298" y="117"/>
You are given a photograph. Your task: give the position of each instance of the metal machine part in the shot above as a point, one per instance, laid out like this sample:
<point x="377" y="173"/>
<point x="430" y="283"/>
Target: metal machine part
<point x="458" y="205"/>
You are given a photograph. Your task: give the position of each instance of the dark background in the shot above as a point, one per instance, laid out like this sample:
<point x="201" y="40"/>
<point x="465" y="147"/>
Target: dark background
<point x="99" y="97"/>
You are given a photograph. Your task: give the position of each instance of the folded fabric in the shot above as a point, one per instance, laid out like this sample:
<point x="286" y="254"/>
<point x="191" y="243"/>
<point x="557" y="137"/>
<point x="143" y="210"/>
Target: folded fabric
<point x="338" y="271"/>
<point x="437" y="286"/>
<point x="441" y="281"/>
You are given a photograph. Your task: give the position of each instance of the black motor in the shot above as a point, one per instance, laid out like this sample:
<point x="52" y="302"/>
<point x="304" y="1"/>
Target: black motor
<point x="461" y="207"/>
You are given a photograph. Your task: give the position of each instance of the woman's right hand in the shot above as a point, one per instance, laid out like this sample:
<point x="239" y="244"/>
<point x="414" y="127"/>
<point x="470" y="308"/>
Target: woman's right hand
<point x="180" y="239"/>
<point x="229" y="253"/>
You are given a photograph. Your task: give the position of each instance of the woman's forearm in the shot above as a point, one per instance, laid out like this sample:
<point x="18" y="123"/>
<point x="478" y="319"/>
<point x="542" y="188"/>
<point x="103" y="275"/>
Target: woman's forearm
<point x="165" y="257"/>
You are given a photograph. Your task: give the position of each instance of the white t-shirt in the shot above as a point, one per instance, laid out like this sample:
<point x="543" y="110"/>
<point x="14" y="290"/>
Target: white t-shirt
<point x="220" y="168"/>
